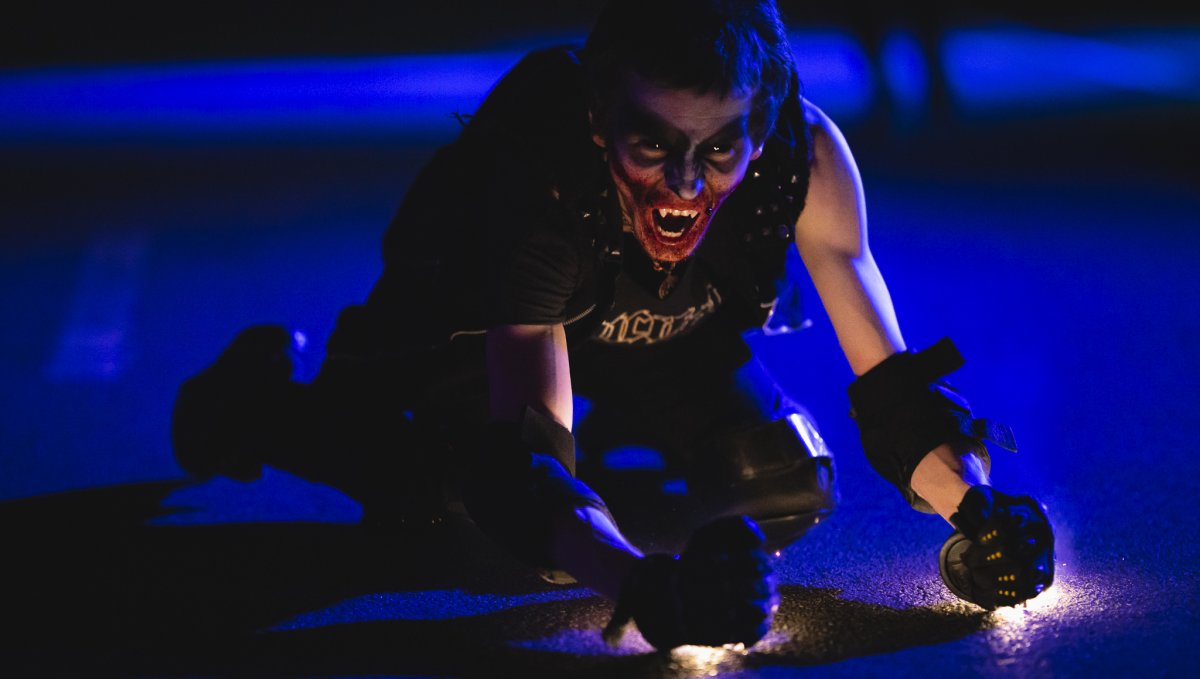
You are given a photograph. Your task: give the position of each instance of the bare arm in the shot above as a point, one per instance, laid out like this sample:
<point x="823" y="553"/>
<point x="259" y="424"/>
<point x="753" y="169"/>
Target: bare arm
<point x="831" y="236"/>
<point x="528" y="366"/>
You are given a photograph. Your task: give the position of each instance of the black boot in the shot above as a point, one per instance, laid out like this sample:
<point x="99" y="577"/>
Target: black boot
<point x="229" y="418"/>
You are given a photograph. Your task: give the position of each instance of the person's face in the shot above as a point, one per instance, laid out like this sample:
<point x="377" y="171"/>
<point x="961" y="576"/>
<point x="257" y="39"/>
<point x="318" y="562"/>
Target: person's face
<point x="675" y="156"/>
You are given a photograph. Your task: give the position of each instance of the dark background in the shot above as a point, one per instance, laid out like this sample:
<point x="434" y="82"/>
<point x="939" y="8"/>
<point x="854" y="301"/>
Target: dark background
<point x="61" y="33"/>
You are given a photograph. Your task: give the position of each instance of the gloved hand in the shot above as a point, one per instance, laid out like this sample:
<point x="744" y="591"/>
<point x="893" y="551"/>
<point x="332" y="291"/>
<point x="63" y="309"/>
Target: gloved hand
<point x="721" y="590"/>
<point x="1002" y="552"/>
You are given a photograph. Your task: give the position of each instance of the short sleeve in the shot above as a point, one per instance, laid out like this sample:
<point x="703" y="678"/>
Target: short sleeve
<point x="533" y="279"/>
<point x="532" y="266"/>
<point x="481" y="238"/>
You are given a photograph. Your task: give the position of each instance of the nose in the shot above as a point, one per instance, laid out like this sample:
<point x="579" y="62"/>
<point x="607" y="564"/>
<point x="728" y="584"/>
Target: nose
<point x="686" y="180"/>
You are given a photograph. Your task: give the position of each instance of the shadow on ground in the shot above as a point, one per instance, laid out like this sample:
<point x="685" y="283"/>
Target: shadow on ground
<point x="94" y="589"/>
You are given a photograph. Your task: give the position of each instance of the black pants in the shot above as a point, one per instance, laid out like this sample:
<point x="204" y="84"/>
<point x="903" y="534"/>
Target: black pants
<point x="399" y="431"/>
<point x="671" y="397"/>
<point x="670" y="405"/>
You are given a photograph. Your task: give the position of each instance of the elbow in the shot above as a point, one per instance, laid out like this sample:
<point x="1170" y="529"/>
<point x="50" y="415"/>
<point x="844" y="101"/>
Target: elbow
<point x="819" y="253"/>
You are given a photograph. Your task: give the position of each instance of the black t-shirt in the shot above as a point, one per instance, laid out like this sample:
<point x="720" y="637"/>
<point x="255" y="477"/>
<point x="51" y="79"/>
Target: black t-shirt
<point x="497" y="229"/>
<point x="641" y="316"/>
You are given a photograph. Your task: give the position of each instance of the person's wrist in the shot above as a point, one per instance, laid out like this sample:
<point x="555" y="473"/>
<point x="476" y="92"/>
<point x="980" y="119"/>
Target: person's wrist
<point x="944" y="475"/>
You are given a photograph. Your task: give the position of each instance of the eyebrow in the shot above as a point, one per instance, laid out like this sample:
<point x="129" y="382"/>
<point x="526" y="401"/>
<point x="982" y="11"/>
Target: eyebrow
<point x="641" y="120"/>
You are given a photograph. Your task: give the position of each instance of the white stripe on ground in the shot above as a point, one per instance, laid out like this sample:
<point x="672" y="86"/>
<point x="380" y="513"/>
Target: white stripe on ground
<point x="94" y="341"/>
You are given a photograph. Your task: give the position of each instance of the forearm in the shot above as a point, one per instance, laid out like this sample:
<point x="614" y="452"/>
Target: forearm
<point x="904" y="413"/>
<point x="831" y="237"/>
<point x="856" y="298"/>
<point x="528" y="366"/>
<point x="860" y="308"/>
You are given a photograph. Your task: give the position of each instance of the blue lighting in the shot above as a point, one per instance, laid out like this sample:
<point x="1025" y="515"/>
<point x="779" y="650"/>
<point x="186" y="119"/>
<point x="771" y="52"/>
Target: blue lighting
<point x="905" y="72"/>
<point x="317" y="98"/>
<point x="587" y="643"/>
<point x="1000" y="71"/>
<point x="276" y="497"/>
<point x="582" y="408"/>
<point x="237" y="99"/>
<point x="834" y="70"/>
<point x="992" y="70"/>
<point x="423" y="605"/>
<point x="675" y="487"/>
<point x="632" y="458"/>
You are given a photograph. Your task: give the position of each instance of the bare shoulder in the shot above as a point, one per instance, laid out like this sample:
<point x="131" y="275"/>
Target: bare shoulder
<point x="834" y="174"/>
<point x="834" y="212"/>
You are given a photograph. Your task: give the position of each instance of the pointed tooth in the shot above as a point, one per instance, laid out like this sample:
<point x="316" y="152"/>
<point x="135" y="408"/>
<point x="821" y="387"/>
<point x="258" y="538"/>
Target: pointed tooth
<point x="662" y="212"/>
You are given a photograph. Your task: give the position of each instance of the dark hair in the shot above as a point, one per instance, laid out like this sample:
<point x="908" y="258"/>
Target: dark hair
<point x="736" y="47"/>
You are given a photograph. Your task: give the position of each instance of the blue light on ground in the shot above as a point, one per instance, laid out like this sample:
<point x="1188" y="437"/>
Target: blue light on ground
<point x="631" y="458"/>
<point x="92" y="346"/>
<point x="423" y="605"/>
<point x="276" y="497"/>
<point x="589" y="642"/>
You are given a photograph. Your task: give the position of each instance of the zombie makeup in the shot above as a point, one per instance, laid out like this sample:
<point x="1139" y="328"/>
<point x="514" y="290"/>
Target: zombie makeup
<point x="675" y="156"/>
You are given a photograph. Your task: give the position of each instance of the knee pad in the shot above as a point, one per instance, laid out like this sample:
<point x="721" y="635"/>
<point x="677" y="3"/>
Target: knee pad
<point x="780" y="474"/>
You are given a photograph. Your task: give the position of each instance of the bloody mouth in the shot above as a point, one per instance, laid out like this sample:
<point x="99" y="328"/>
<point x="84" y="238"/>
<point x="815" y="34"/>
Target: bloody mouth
<point x="673" y="224"/>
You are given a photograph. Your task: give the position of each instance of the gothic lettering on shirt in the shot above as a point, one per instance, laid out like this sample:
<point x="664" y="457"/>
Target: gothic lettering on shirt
<point x="644" y="327"/>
